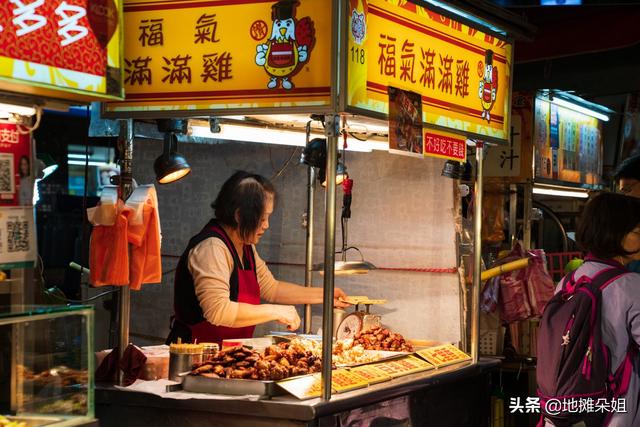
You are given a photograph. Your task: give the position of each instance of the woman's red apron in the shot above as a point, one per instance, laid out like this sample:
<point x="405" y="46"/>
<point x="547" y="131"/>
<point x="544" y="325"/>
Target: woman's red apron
<point x="248" y="293"/>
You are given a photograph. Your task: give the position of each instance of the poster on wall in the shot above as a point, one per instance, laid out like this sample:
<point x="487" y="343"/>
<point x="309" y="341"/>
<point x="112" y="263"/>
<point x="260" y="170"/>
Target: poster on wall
<point x="17" y="237"/>
<point x="16" y="175"/>
<point x="405" y="122"/>
<point x="568" y="145"/>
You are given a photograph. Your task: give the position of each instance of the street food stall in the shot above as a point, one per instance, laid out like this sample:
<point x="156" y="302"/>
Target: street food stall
<point x="422" y="80"/>
<point x="52" y="56"/>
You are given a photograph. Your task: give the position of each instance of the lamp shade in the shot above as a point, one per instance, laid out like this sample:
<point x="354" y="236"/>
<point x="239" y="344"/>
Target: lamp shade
<point x="346" y="268"/>
<point x="341" y="174"/>
<point x="171" y="165"/>
<point x="315" y="153"/>
<point x="452" y="169"/>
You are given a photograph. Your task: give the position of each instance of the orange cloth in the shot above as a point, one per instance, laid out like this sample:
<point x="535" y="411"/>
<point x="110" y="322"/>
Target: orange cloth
<point x="112" y="260"/>
<point x="109" y="251"/>
<point x="145" y="260"/>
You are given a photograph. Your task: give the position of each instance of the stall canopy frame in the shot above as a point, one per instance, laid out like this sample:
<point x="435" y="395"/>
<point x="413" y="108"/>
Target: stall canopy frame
<point x="338" y="105"/>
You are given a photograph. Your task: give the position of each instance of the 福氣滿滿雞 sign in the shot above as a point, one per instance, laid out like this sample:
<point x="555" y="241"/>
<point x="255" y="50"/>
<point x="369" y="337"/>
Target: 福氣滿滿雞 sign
<point x="462" y="74"/>
<point x="70" y="49"/>
<point x="213" y="55"/>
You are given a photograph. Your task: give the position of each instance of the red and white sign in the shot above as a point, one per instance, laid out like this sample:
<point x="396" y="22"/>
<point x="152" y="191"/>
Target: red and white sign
<point x="15" y="166"/>
<point x="69" y="34"/>
<point x="445" y="145"/>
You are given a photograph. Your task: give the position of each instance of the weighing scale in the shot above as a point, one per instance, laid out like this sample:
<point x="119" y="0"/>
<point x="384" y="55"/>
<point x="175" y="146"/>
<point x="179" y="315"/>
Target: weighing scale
<point x="359" y="320"/>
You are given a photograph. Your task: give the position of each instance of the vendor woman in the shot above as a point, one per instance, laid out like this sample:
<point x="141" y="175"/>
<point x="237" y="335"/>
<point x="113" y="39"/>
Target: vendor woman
<point x="220" y="278"/>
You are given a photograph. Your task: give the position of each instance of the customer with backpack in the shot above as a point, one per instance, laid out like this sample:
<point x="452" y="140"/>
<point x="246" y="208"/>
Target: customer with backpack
<point x="627" y="175"/>
<point x="590" y="330"/>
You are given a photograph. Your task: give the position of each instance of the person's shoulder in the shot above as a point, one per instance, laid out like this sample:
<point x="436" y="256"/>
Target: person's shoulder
<point x="628" y="283"/>
<point x="211" y="244"/>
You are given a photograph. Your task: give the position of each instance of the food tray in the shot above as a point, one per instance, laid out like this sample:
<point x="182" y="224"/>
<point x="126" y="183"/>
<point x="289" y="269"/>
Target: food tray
<point x="382" y="357"/>
<point x="34" y="421"/>
<point x="231" y="386"/>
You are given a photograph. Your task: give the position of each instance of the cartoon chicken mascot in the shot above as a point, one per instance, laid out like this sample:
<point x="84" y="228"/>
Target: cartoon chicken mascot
<point x="488" y="86"/>
<point x="288" y="47"/>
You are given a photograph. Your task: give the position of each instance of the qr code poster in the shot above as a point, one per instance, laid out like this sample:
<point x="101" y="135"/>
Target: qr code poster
<point x="7" y="177"/>
<point x="17" y="237"/>
<point x="16" y="171"/>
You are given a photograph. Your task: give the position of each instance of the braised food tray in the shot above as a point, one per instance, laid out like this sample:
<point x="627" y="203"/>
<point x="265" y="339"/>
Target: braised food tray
<point x="230" y="386"/>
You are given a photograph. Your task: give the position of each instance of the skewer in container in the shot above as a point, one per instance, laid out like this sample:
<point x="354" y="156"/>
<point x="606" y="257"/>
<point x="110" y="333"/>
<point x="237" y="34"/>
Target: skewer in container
<point x="182" y="357"/>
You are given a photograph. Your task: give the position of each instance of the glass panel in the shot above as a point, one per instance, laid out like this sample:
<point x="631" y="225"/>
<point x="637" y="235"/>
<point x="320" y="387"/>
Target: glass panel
<point x="46" y="364"/>
<point x="33" y="310"/>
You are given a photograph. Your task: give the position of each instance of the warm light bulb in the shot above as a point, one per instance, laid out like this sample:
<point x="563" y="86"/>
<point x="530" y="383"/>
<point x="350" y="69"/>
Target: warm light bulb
<point x="174" y="176"/>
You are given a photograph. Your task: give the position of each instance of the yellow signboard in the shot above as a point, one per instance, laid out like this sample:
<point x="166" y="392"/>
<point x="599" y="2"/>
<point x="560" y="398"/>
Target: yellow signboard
<point x="568" y="145"/>
<point x="70" y="49"/>
<point x="204" y="55"/>
<point x="462" y="74"/>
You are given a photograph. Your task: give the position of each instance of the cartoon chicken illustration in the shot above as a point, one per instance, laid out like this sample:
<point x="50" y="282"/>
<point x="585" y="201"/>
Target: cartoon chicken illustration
<point x="488" y="86"/>
<point x="289" y="45"/>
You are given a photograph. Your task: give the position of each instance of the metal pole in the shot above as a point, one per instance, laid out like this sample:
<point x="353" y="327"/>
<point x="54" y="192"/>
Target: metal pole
<point x="308" y="273"/>
<point x="477" y="254"/>
<point x="513" y="218"/>
<point x="526" y="217"/>
<point x="126" y="188"/>
<point x="332" y="132"/>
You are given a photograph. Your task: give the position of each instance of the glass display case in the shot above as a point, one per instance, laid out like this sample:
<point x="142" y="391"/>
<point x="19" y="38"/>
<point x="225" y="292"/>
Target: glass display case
<point x="46" y="366"/>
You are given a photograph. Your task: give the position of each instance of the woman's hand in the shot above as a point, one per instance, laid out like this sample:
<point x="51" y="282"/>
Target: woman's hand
<point x="287" y="315"/>
<point x="338" y="295"/>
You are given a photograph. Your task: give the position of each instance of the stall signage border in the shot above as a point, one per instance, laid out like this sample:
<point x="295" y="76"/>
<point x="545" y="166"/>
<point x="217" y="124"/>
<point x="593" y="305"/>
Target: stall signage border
<point x="462" y="74"/>
<point x="211" y="55"/>
<point x="71" y="48"/>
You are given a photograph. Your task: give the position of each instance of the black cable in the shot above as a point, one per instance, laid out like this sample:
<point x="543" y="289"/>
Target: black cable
<point x="83" y="255"/>
<point x="353" y="135"/>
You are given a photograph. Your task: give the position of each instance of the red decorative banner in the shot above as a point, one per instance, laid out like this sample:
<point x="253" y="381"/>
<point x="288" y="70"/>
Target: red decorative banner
<point x="445" y="145"/>
<point x="67" y="34"/>
<point x="16" y="173"/>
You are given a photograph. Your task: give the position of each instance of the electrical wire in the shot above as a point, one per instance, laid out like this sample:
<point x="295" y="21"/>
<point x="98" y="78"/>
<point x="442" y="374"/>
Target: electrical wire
<point x="284" y="166"/>
<point x="25" y="129"/>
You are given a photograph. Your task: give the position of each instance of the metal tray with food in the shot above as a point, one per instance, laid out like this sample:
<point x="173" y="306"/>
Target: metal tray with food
<point x="373" y="356"/>
<point x="230" y="386"/>
<point x="27" y="421"/>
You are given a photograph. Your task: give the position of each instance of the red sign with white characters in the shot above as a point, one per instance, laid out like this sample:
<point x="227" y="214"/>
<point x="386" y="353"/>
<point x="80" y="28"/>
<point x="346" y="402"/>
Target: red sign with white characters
<point x="16" y="173"/>
<point x="445" y="145"/>
<point x="67" y="34"/>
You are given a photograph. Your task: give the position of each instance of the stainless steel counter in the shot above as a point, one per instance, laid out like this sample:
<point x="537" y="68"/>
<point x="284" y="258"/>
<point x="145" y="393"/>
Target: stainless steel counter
<point x="110" y="401"/>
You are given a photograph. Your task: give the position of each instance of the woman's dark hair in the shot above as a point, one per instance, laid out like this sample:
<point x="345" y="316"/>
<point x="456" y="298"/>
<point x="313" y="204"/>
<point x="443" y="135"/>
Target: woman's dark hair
<point x="604" y="223"/>
<point x="628" y="169"/>
<point x="25" y="158"/>
<point x="246" y="194"/>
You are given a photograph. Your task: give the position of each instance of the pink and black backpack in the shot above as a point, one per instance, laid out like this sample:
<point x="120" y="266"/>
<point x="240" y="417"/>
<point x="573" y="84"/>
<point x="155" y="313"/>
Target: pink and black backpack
<point x="573" y="362"/>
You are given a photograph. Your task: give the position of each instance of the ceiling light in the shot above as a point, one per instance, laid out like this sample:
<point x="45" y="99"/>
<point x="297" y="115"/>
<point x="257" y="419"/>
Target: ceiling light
<point x="580" y="109"/>
<point x="560" y="191"/>
<point x="170" y="166"/>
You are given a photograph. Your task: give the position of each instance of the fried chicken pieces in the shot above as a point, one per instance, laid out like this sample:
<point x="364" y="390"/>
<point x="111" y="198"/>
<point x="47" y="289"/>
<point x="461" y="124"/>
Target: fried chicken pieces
<point x="276" y="363"/>
<point x="382" y="339"/>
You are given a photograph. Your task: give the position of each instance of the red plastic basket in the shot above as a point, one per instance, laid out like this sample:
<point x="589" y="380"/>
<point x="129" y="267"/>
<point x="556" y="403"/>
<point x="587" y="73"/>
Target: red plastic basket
<point x="556" y="262"/>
